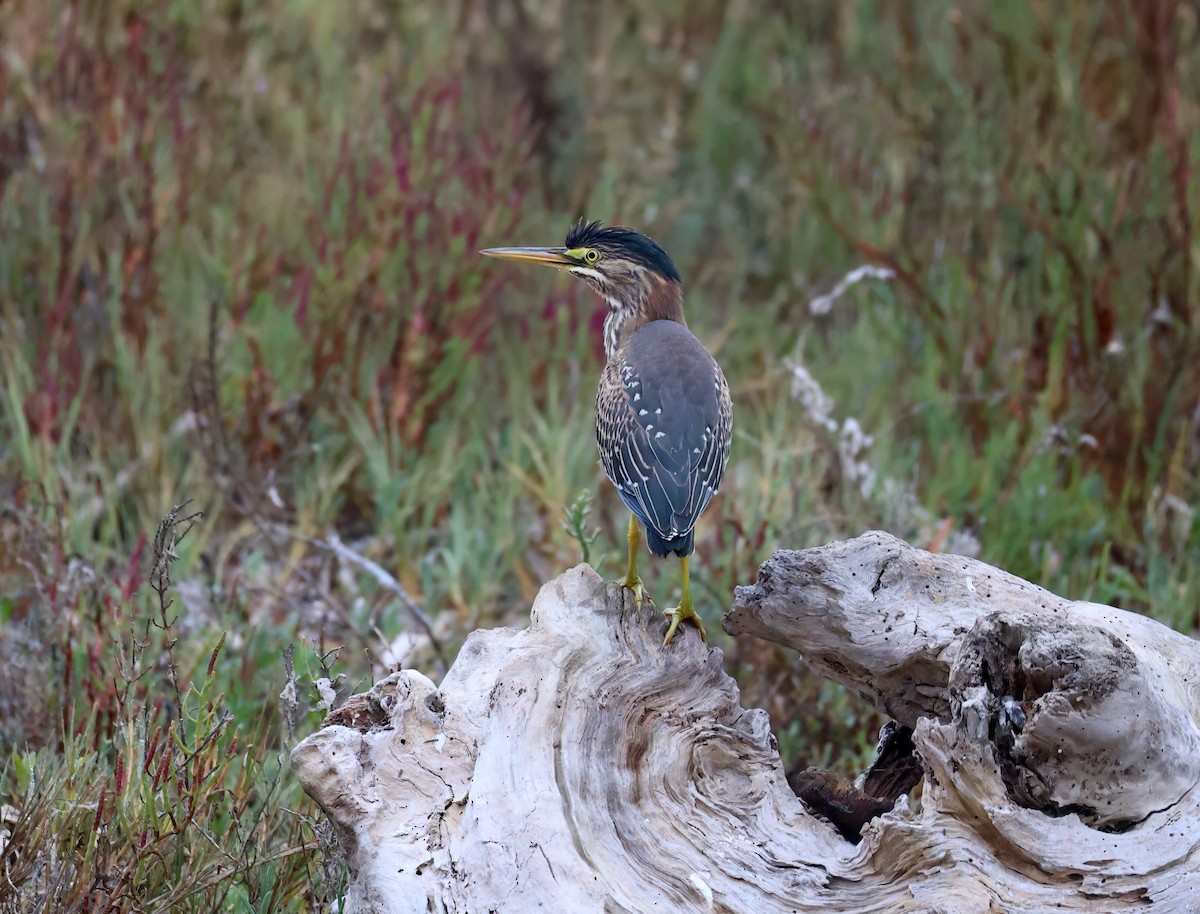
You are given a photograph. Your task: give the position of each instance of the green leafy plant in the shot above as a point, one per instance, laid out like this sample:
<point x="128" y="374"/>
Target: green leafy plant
<point x="577" y="524"/>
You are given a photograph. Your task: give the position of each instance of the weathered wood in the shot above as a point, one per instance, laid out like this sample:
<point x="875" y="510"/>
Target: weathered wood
<point x="577" y="766"/>
<point x="848" y="806"/>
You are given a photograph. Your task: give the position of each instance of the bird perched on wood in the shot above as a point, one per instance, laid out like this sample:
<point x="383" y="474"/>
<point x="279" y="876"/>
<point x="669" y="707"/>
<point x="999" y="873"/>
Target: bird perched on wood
<point x="664" y="419"/>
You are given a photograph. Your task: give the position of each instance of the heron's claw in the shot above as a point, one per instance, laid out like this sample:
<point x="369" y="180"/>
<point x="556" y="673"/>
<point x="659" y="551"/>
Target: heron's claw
<point x="684" y="611"/>
<point x="639" y="591"/>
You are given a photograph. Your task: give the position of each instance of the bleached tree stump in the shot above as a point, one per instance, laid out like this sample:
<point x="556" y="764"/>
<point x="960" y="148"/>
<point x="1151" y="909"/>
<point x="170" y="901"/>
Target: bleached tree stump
<point x="576" y="766"/>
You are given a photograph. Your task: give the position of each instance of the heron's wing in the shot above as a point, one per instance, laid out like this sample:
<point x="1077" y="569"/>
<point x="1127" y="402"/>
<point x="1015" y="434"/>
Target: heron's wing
<point x="664" y="423"/>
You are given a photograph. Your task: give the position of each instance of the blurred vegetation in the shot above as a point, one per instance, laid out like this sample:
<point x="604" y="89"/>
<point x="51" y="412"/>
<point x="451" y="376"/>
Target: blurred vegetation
<point x="237" y="266"/>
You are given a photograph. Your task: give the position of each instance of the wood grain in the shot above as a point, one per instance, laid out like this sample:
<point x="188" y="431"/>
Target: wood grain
<point x="577" y="766"/>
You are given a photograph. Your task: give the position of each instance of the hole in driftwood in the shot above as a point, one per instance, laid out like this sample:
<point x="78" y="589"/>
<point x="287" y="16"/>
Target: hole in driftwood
<point x="848" y="806"/>
<point x="1029" y="679"/>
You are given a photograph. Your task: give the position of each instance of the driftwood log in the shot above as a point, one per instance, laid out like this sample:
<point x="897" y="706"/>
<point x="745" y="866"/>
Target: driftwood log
<point x="576" y="766"/>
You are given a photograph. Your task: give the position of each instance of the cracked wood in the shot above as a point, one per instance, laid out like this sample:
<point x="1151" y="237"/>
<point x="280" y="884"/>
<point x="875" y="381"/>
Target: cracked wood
<point x="576" y="766"/>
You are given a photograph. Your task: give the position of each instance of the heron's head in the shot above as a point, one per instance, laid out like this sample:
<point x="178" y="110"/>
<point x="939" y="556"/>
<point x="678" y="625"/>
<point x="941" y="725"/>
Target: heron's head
<point x="627" y="269"/>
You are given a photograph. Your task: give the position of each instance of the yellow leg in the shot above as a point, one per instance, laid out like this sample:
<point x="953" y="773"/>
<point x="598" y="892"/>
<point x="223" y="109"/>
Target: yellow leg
<point x="632" y="580"/>
<point x="685" y="609"/>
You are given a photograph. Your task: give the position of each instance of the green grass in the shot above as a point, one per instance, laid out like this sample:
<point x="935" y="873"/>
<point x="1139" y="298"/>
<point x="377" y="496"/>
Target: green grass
<point x="236" y="266"/>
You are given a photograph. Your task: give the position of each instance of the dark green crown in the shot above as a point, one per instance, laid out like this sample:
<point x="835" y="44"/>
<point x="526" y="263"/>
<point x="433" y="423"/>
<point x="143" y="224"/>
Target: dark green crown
<point x="623" y="242"/>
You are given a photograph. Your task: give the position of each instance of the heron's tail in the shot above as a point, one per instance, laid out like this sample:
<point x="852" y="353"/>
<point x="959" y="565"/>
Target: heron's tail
<point x="662" y="547"/>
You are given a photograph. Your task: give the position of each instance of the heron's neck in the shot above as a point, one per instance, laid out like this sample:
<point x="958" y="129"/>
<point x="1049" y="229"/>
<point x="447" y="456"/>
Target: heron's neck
<point x="659" y="300"/>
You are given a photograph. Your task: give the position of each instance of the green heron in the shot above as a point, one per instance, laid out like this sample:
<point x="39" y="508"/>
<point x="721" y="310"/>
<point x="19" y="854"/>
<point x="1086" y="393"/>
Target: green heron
<point x="664" y="419"/>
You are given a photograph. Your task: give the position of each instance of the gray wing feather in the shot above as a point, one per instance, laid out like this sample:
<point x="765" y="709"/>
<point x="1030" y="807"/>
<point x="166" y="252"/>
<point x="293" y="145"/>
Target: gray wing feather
<point x="663" y="427"/>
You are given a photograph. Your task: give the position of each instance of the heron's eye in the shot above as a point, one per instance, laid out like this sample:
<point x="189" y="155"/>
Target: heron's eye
<point x="591" y="255"/>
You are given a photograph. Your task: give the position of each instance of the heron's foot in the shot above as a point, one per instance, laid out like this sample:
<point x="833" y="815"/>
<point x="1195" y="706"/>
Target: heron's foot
<point x="634" y="582"/>
<point x="684" y="611"/>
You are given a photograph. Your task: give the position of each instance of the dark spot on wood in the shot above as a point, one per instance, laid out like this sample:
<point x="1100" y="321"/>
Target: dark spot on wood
<point x="847" y="808"/>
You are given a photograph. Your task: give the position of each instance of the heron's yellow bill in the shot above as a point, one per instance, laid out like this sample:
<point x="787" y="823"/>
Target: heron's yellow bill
<point x="549" y="257"/>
